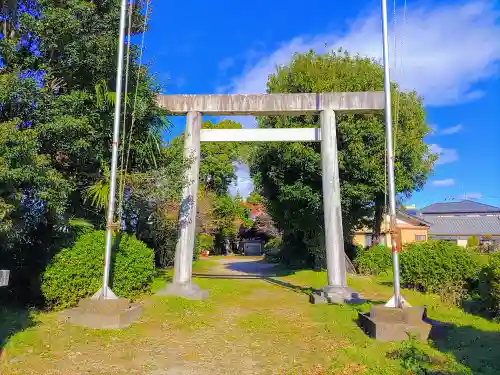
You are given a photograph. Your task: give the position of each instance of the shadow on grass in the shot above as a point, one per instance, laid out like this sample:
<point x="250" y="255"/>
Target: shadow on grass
<point x="268" y="279"/>
<point x="263" y="270"/>
<point x="258" y="270"/>
<point x="474" y="348"/>
<point x="164" y="274"/>
<point x="12" y="321"/>
<point x="260" y="267"/>
<point x="386" y="283"/>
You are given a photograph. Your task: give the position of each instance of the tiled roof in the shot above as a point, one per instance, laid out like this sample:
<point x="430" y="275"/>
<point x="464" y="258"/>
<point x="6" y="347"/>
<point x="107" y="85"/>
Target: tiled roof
<point x="465" y="206"/>
<point x="418" y="219"/>
<point x="463" y="225"/>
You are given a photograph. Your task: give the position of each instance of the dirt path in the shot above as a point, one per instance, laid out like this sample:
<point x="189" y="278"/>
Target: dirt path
<point x="249" y="325"/>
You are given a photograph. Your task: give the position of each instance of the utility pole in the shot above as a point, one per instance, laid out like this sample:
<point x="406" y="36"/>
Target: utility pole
<point x="105" y="292"/>
<point x="390" y="161"/>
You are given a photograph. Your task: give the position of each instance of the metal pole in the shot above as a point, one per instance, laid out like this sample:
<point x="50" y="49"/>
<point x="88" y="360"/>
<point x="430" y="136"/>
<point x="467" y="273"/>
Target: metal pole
<point x="390" y="157"/>
<point x="105" y="292"/>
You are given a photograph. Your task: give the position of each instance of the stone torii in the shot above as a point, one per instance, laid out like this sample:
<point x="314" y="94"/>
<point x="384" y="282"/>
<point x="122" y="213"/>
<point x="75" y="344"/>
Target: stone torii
<point x="327" y="105"/>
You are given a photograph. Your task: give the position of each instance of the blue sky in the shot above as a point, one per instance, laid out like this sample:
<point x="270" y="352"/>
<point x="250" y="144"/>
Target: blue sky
<point x="448" y="51"/>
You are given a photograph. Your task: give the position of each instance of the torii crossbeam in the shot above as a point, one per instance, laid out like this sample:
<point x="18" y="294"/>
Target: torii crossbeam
<point x="324" y="104"/>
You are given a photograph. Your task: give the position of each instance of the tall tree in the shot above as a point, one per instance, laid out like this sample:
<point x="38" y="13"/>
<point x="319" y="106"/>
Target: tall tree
<point x="58" y="58"/>
<point x="217" y="158"/>
<point x="289" y="175"/>
<point x="216" y="168"/>
<point x="255" y="198"/>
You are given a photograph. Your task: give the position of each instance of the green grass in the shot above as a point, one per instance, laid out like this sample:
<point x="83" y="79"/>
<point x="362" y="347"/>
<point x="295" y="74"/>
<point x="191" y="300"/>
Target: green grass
<point x="247" y="326"/>
<point x="469" y="344"/>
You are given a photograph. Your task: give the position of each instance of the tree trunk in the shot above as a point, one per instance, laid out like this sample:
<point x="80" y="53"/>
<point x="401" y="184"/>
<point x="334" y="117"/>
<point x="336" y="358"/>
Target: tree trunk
<point x="377" y="219"/>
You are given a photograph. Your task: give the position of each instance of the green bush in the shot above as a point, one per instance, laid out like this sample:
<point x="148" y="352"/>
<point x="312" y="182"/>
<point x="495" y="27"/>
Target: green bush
<point x="472" y="241"/>
<point x="413" y="359"/>
<point x="76" y="272"/>
<point x="162" y="237"/>
<point x="373" y="261"/>
<point x="440" y="267"/>
<point x="203" y="242"/>
<point x="273" y="243"/>
<point x="489" y="285"/>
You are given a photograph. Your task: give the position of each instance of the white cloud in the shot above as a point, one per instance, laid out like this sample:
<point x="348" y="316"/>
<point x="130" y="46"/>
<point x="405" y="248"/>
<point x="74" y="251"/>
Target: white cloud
<point x="443" y="183"/>
<point x="446" y="50"/>
<point x="243" y="184"/>
<point x="446" y="155"/>
<point x="452" y="130"/>
<point x="472" y="196"/>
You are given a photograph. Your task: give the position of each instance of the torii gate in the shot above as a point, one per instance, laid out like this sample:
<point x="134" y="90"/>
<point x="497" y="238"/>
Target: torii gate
<point x="327" y="105"/>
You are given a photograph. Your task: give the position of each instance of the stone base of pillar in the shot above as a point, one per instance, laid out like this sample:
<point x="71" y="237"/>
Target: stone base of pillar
<point x="393" y="324"/>
<point x="103" y="313"/>
<point x="336" y="294"/>
<point x="186" y="290"/>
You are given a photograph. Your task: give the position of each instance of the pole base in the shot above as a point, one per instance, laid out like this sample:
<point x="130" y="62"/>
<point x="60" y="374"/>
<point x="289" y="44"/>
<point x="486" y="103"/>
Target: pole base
<point x="185" y="290"/>
<point x="336" y="294"/>
<point x="99" y="295"/>
<point x="103" y="313"/>
<point x="392" y="302"/>
<point x="392" y="324"/>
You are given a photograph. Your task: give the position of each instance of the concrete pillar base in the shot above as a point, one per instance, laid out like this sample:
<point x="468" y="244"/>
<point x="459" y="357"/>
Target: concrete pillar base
<point x="393" y="324"/>
<point x="185" y="290"/>
<point x="103" y="313"/>
<point x="336" y="294"/>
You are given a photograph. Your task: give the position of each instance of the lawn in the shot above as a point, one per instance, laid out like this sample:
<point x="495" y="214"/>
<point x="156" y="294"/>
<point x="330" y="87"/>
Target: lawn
<point x="247" y="326"/>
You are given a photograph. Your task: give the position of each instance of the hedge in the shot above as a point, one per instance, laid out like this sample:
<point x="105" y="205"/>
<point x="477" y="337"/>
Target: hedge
<point x="374" y="260"/>
<point x="76" y="272"/>
<point x="489" y="285"/>
<point x="440" y="267"/>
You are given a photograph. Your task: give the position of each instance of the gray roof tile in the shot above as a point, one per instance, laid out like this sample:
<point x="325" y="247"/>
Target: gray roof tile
<point x="465" y="206"/>
<point x="463" y="225"/>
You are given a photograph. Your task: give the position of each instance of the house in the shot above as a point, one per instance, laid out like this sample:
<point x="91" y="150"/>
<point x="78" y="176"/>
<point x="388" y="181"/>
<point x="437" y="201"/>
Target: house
<point x="409" y="229"/>
<point x="252" y="239"/>
<point x="457" y="221"/>
<point x="251" y="247"/>
<point x="255" y="210"/>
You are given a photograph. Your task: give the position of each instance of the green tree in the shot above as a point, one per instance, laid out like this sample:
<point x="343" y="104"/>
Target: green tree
<point x="216" y="168"/>
<point x="57" y="60"/>
<point x="217" y="158"/>
<point x="77" y="42"/>
<point x="255" y="198"/>
<point x="289" y="175"/>
<point x="229" y="215"/>
<point x="33" y="195"/>
<point x="472" y="242"/>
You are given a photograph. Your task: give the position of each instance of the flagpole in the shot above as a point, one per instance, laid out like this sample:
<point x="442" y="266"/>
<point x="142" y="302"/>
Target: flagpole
<point x="390" y="160"/>
<point x="105" y="292"/>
